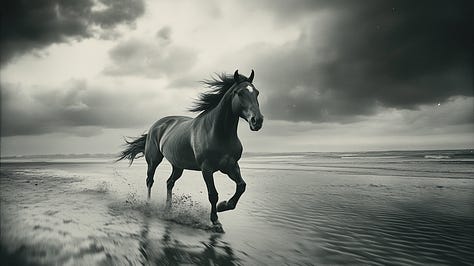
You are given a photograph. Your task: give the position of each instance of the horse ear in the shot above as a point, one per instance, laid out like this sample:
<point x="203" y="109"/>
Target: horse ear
<point x="251" y="76"/>
<point x="236" y="76"/>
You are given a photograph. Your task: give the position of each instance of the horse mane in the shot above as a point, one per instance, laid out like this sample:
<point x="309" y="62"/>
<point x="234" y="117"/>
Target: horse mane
<point x="218" y="86"/>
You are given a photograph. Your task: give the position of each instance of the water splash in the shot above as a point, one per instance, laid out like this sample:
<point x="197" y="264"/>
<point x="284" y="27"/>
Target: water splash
<point x="184" y="210"/>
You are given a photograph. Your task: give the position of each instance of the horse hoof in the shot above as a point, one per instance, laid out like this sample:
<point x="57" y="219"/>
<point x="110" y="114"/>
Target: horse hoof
<point x="217" y="228"/>
<point x="222" y="206"/>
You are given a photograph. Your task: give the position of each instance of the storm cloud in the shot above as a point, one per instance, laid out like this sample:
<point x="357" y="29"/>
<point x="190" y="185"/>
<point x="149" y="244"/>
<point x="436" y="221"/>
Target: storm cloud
<point x="77" y="107"/>
<point x="357" y="57"/>
<point x="30" y="25"/>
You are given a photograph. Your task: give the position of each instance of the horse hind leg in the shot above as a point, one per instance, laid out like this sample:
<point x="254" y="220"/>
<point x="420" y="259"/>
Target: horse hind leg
<point x="175" y="175"/>
<point x="153" y="162"/>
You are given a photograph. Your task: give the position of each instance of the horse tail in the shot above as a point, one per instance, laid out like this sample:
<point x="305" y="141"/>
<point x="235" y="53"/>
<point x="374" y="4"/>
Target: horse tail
<point x="133" y="148"/>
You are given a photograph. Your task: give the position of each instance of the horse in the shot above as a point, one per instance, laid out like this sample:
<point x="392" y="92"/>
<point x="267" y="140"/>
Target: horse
<point x="206" y="143"/>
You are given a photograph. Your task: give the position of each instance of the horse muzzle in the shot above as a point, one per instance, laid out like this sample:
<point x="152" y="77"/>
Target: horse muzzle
<point x="256" y="122"/>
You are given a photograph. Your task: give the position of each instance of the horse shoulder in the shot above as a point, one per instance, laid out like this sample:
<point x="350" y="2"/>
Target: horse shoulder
<point x="219" y="156"/>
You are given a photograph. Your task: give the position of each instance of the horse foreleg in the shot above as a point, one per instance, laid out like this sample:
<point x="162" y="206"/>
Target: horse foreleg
<point x="235" y="175"/>
<point x="213" y="198"/>
<point x="175" y="175"/>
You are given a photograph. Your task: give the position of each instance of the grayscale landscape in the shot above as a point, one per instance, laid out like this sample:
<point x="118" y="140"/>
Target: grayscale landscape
<point x="307" y="132"/>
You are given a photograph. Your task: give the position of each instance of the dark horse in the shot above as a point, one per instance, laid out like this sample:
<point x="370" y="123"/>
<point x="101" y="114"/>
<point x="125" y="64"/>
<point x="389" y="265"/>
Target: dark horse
<point x="207" y="143"/>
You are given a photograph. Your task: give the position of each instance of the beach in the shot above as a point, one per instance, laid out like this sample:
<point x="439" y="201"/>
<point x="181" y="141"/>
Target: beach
<point x="359" y="208"/>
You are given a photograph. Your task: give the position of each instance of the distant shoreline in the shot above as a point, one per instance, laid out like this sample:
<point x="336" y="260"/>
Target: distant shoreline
<point x="467" y="151"/>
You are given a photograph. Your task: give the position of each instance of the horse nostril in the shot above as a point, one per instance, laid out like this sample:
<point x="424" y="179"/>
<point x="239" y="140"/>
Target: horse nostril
<point x="252" y="120"/>
<point x="260" y="120"/>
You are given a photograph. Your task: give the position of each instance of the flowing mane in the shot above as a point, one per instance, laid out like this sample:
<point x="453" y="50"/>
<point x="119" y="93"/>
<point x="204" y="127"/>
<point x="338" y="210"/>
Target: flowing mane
<point x="218" y="86"/>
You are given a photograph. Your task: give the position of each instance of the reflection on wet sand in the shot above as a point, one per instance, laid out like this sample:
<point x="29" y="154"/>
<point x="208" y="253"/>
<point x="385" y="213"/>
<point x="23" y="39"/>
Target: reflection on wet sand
<point x="168" y="250"/>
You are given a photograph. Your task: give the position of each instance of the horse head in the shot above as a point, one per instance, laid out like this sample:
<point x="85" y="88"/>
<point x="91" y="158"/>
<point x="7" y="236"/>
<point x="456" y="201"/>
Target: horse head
<point x="245" y="102"/>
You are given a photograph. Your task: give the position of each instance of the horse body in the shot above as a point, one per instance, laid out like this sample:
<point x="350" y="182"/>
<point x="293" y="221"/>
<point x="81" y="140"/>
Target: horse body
<point x="171" y="138"/>
<point x="207" y="143"/>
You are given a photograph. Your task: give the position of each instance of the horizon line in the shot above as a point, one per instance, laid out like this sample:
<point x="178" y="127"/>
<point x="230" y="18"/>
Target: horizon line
<point x="248" y="152"/>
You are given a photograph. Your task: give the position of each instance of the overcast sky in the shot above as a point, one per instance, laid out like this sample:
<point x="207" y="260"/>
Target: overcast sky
<point x="76" y="76"/>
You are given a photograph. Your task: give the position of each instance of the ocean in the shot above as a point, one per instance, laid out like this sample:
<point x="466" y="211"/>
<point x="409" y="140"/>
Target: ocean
<point x="358" y="208"/>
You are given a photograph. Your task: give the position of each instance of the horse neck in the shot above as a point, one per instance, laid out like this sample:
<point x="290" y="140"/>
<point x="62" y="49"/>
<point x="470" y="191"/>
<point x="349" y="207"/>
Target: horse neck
<point x="224" y="121"/>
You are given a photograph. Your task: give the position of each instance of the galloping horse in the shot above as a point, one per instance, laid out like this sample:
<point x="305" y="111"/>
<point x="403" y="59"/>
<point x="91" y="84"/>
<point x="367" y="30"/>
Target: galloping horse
<point x="207" y="143"/>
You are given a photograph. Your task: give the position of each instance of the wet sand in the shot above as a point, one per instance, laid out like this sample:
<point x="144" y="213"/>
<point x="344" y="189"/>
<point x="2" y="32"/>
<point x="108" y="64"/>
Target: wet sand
<point x="297" y="210"/>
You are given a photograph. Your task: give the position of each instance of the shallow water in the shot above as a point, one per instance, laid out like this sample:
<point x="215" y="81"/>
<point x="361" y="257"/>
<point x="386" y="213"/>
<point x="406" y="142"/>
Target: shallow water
<point x="299" y="209"/>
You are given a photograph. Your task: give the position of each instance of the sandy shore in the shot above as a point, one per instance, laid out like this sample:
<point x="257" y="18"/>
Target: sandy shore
<point x="96" y="213"/>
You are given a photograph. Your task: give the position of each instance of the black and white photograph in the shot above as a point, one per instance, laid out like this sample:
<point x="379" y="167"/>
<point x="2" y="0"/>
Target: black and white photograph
<point x="266" y="132"/>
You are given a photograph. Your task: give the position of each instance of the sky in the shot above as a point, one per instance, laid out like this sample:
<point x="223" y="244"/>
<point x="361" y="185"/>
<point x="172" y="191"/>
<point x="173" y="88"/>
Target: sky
<point x="78" y="76"/>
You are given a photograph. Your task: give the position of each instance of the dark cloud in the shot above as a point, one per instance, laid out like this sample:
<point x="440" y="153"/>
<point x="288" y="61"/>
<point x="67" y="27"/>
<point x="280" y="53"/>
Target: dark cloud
<point x="397" y="54"/>
<point x="152" y="59"/>
<point x="77" y="108"/>
<point x="118" y="11"/>
<point x="28" y="25"/>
